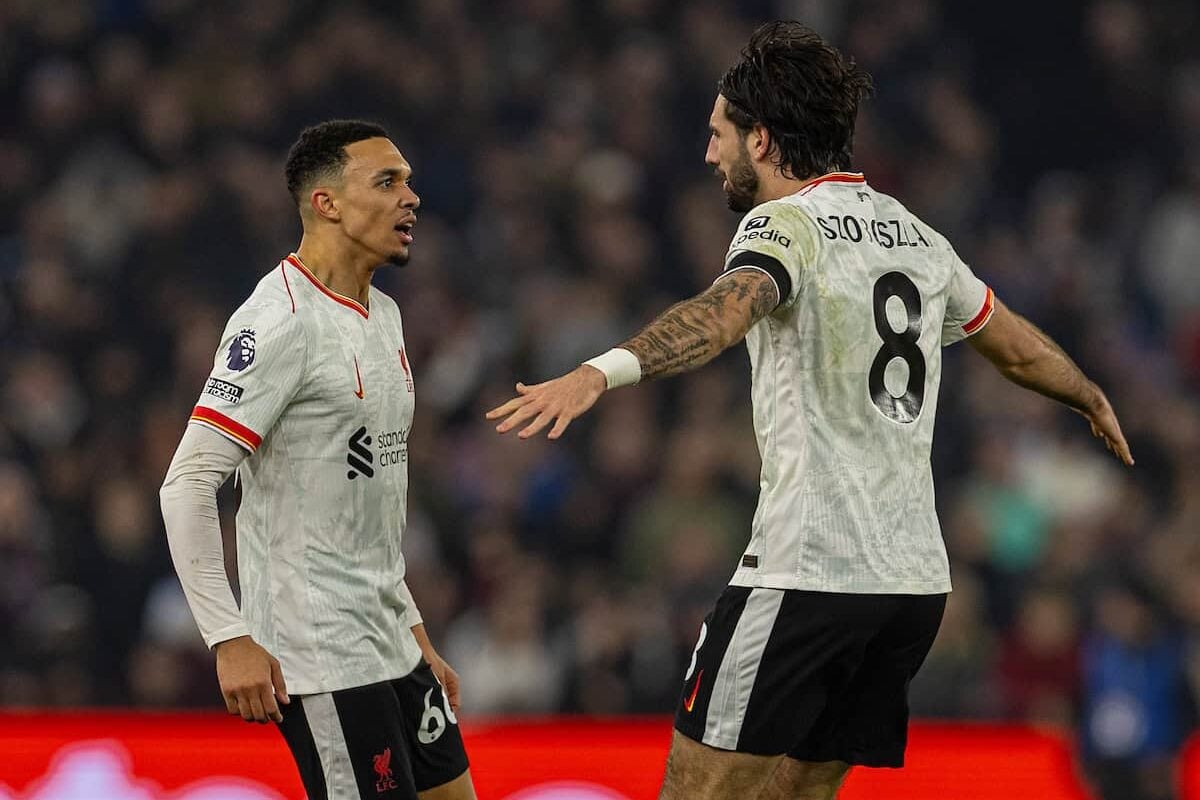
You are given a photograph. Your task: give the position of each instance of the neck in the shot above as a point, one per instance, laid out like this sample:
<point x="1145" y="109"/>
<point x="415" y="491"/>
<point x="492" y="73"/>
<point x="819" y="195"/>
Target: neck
<point x="340" y="273"/>
<point x="777" y="185"/>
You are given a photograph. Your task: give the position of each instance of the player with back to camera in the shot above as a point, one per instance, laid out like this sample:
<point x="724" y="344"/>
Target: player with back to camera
<point x="311" y="400"/>
<point x="845" y="299"/>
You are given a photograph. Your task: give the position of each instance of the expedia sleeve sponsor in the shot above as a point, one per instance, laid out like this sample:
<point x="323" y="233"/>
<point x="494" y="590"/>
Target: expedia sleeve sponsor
<point x="779" y="239"/>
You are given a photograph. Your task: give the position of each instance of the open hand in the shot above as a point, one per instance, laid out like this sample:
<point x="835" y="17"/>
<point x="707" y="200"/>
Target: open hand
<point x="559" y="401"/>
<point x="1106" y="428"/>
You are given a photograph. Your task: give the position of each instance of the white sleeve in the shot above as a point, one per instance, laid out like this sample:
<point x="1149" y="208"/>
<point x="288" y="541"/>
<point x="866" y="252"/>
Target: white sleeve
<point x="777" y="238"/>
<point x="256" y="372"/>
<point x="412" y="616"/>
<point x="205" y="460"/>
<point x="969" y="304"/>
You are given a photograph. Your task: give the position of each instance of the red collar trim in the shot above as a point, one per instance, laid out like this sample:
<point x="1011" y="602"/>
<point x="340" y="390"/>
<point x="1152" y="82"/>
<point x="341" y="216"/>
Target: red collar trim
<point x="835" y="177"/>
<point x="295" y="261"/>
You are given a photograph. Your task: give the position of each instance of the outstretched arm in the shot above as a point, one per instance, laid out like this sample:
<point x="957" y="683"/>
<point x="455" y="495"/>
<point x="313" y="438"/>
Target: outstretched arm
<point x="687" y="335"/>
<point x="1029" y="358"/>
<point x="693" y="332"/>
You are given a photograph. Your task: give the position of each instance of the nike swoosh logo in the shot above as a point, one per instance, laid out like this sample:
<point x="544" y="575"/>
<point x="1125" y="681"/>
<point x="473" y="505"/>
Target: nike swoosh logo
<point x="691" y="701"/>
<point x="359" y="391"/>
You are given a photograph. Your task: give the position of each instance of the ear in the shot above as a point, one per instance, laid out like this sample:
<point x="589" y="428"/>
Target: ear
<point x="759" y="142"/>
<point x="324" y="205"/>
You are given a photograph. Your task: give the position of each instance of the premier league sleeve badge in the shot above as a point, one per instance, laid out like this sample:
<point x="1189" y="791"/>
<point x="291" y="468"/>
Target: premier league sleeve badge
<point x="241" y="351"/>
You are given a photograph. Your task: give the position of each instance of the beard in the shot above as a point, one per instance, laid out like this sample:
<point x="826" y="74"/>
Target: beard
<point x="398" y="259"/>
<point x="743" y="184"/>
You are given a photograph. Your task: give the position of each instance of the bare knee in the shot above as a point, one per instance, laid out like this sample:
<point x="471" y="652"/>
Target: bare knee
<point x="696" y="771"/>
<point x="460" y="788"/>
<point x="805" y="780"/>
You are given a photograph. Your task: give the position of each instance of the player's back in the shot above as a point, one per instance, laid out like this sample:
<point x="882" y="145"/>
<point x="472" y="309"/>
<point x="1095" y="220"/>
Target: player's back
<point x="846" y="376"/>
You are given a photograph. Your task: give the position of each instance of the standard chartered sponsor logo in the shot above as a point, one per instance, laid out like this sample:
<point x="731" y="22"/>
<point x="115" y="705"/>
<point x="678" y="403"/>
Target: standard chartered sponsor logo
<point x="393" y="447"/>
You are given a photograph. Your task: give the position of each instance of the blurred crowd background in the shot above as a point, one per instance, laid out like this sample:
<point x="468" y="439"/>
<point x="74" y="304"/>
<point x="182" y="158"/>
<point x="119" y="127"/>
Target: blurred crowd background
<point x="558" y="149"/>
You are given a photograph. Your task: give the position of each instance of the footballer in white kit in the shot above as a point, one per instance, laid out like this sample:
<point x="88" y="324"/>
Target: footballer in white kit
<point x="311" y="399"/>
<point x="844" y="299"/>
<point x="845" y="519"/>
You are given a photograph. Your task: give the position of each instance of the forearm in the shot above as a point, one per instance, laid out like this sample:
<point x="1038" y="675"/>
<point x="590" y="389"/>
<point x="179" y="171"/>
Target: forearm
<point x="692" y="333"/>
<point x="189" y="506"/>
<point x="681" y="339"/>
<point x="1049" y="371"/>
<point x="419" y="633"/>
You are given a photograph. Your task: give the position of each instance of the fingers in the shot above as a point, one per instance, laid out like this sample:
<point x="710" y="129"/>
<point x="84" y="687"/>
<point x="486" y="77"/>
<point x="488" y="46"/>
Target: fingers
<point x="271" y="707"/>
<point x="257" y="712"/>
<point x="1121" y="448"/>
<point x="278" y="682"/>
<point x="243" y="708"/>
<point x="254" y="703"/>
<point x="560" y="425"/>
<point x="517" y="417"/>
<point x="1107" y="428"/>
<point x="450" y="683"/>
<point x="506" y="409"/>
<point x="543" y="419"/>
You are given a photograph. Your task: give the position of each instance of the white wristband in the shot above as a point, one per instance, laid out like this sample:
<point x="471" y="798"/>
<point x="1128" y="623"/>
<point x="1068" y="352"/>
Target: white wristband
<point x="620" y="367"/>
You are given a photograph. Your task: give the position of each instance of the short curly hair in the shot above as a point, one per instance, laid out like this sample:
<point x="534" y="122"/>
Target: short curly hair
<point x="320" y="152"/>
<point x="802" y="90"/>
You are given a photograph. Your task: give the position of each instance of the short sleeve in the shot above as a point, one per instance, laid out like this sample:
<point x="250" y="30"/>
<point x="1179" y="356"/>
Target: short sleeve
<point x="256" y="373"/>
<point x="777" y="238"/>
<point x="969" y="304"/>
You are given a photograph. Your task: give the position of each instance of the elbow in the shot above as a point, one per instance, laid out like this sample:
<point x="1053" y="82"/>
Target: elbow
<point x="732" y="334"/>
<point x="1015" y="365"/>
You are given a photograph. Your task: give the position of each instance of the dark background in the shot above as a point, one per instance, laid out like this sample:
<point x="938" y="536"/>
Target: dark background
<point x="558" y="149"/>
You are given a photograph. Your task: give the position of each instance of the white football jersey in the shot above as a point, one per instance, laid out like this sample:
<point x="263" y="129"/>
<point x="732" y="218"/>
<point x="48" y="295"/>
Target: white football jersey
<point x="845" y="386"/>
<point x="319" y="391"/>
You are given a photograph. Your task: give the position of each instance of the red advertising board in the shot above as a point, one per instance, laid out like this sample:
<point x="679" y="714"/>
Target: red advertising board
<point x="129" y="756"/>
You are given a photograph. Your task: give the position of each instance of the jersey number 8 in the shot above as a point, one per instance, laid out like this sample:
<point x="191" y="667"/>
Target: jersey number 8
<point x="898" y="344"/>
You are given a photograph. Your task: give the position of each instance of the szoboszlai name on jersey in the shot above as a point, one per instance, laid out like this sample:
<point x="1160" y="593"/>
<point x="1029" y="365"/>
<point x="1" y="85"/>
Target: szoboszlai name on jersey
<point x="887" y="233"/>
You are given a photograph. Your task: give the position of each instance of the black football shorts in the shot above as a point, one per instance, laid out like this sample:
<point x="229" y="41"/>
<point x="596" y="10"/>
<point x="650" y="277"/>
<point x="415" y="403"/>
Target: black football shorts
<point x="383" y="741"/>
<point x="813" y="675"/>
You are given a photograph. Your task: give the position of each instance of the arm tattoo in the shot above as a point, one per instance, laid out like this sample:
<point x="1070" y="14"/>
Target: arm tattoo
<point x="692" y="333"/>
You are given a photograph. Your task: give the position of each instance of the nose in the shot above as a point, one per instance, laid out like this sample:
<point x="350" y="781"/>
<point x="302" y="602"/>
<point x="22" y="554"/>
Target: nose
<point x="710" y="156"/>
<point x="410" y="199"/>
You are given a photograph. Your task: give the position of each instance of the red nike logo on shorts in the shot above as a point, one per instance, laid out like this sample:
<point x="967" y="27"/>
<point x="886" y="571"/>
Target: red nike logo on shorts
<point x="691" y="701"/>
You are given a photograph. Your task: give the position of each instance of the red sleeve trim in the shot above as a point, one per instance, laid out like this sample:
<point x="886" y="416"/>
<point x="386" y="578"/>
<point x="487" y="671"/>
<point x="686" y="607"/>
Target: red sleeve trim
<point x="223" y="424"/>
<point x="985" y="313"/>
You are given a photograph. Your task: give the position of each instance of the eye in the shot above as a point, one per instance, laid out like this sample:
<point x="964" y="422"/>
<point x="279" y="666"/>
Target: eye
<point x="387" y="183"/>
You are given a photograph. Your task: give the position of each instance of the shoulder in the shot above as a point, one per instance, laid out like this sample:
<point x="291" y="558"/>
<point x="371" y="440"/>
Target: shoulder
<point x="778" y="225"/>
<point x="270" y="307"/>
<point x="785" y="211"/>
<point x="382" y="301"/>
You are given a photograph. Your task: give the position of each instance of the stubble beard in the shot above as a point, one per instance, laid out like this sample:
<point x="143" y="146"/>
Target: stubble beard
<point x="743" y="184"/>
<point x="398" y="259"/>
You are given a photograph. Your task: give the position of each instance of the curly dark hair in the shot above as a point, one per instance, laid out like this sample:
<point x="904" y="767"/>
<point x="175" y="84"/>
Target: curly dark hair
<point x="320" y="152"/>
<point x="801" y="89"/>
